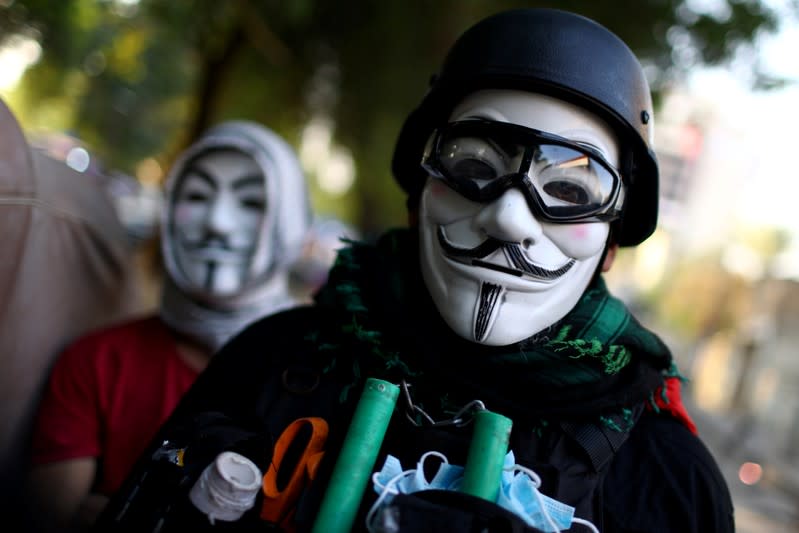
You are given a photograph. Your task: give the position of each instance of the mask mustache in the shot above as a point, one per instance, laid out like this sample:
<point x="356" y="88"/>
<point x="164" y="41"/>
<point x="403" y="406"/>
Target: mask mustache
<point x="214" y="243"/>
<point x="484" y="249"/>
<point x="513" y="253"/>
<point x="515" y="256"/>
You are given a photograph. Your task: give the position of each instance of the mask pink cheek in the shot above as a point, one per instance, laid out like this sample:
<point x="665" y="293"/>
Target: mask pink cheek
<point x="580" y="241"/>
<point x="580" y="232"/>
<point x="185" y="219"/>
<point x="183" y="215"/>
<point x="438" y="189"/>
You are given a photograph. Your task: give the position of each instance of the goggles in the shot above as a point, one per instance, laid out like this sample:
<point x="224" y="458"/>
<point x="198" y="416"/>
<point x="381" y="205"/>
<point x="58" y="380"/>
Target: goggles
<point x="562" y="180"/>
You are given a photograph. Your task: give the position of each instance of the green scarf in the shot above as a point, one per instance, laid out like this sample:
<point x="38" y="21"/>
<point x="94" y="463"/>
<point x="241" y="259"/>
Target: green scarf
<point x="597" y="360"/>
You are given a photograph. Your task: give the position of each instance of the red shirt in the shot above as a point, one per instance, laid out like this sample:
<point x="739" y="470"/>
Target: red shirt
<point x="108" y="394"/>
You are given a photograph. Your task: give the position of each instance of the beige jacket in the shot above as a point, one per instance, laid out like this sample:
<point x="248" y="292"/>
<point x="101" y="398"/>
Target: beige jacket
<point x="65" y="268"/>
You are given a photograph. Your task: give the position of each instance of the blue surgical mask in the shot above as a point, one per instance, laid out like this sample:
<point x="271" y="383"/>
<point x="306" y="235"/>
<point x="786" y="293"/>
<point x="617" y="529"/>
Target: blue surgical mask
<point x="519" y="493"/>
<point x="518" y="490"/>
<point x="391" y="479"/>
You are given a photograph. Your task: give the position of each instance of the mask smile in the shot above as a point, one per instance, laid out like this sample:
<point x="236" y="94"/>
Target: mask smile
<point x="215" y="251"/>
<point x="518" y="264"/>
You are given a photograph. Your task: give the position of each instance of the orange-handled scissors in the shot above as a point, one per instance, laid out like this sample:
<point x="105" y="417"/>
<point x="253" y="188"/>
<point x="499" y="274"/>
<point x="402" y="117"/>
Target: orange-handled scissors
<point x="279" y="503"/>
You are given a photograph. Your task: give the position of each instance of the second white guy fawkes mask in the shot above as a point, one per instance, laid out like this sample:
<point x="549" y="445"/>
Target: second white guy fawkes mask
<point x="237" y="213"/>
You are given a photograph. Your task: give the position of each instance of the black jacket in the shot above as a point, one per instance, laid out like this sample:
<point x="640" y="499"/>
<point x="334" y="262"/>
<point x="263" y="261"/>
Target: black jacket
<point x="662" y="478"/>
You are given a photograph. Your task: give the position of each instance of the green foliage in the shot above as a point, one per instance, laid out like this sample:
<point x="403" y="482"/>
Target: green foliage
<point x="138" y="80"/>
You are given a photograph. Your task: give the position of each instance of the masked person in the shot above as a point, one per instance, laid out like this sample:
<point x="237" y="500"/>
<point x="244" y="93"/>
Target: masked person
<point x="235" y="219"/>
<point x="527" y="164"/>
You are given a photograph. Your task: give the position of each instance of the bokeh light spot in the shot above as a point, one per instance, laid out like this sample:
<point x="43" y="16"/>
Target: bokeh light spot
<point x="750" y="473"/>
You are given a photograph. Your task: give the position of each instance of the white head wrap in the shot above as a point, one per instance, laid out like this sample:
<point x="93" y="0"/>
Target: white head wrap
<point x="212" y="318"/>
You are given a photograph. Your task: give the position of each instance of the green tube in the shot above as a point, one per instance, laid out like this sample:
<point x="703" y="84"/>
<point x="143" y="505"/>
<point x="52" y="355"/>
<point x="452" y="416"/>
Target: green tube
<point x="357" y="457"/>
<point x="483" y="470"/>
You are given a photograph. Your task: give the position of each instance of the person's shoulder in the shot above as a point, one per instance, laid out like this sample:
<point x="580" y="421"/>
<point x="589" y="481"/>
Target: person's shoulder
<point x="254" y="357"/>
<point x="271" y="337"/>
<point x="109" y="346"/>
<point x="673" y="447"/>
<point x="129" y="327"/>
<point x="284" y="326"/>
<point x="664" y="478"/>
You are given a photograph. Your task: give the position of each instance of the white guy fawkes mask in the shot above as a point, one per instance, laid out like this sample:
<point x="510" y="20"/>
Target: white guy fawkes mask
<point x="236" y="218"/>
<point x="218" y="209"/>
<point x="528" y="273"/>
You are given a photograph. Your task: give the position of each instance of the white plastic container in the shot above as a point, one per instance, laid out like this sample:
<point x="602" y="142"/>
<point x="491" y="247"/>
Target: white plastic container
<point x="227" y="487"/>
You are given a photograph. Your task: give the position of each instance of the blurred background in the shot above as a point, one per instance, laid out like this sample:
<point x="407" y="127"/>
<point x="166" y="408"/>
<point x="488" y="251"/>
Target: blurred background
<point x="118" y="87"/>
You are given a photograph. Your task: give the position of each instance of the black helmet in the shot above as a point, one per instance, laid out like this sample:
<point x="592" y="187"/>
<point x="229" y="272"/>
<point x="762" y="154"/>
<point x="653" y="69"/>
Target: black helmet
<point x="560" y="54"/>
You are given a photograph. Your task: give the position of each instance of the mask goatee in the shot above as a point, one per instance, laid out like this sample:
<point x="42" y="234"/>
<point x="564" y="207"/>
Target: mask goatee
<point x="487" y="309"/>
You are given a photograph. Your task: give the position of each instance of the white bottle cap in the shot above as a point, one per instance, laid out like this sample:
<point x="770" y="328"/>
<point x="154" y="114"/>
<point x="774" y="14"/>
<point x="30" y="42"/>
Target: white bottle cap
<point x="227" y="487"/>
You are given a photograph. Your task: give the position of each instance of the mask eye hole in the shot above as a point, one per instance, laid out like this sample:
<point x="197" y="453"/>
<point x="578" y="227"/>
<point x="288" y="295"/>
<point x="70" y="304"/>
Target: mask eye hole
<point x="253" y="204"/>
<point x="566" y="177"/>
<point x="474" y="169"/>
<point x="195" y="197"/>
<point x="475" y="160"/>
<point x="565" y="191"/>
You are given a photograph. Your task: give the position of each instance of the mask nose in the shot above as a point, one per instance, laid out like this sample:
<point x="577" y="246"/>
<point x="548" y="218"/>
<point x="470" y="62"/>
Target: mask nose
<point x="221" y="216"/>
<point x="509" y="219"/>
